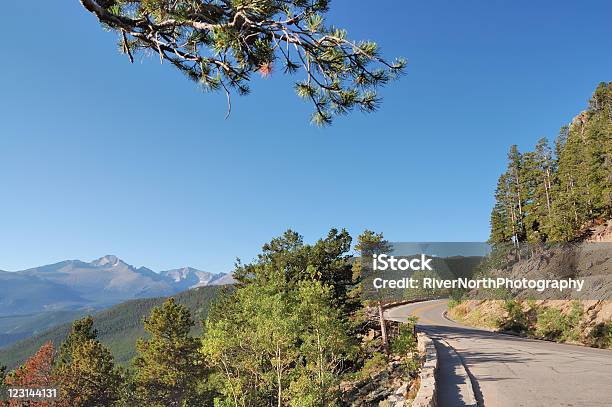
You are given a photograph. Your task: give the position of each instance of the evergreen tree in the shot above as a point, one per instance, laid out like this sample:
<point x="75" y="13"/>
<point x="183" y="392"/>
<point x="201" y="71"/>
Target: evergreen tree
<point x="501" y="215"/>
<point x="564" y="210"/>
<point x="91" y="379"/>
<point x="82" y="330"/>
<point x="508" y="214"/>
<point x="516" y="193"/>
<point x="369" y="243"/>
<point x="169" y="371"/>
<point x="220" y="44"/>
<point x="289" y="260"/>
<point x="87" y="371"/>
<point x="545" y="179"/>
<point x="598" y="140"/>
<point x="537" y="181"/>
<point x="546" y="198"/>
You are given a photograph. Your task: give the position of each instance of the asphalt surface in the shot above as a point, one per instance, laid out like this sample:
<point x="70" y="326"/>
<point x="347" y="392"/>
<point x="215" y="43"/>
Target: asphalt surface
<point x="506" y="370"/>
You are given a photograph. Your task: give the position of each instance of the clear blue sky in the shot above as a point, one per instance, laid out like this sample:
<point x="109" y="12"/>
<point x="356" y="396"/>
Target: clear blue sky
<point x="98" y="156"/>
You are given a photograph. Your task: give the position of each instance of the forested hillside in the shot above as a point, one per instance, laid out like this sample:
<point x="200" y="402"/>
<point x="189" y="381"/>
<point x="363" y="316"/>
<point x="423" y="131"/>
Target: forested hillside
<point x="14" y="328"/>
<point x="118" y="327"/>
<point x="552" y="194"/>
<point x="293" y="331"/>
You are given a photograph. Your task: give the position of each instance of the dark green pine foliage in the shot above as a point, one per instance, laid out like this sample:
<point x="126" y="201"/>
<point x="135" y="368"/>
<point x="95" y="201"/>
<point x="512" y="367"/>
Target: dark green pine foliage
<point x="220" y="44"/>
<point x="289" y="260"/>
<point x="508" y="215"/>
<point x="502" y="227"/>
<point x="546" y="197"/>
<point x="538" y="171"/>
<point x="82" y="331"/>
<point x="86" y="374"/>
<point x="169" y="370"/>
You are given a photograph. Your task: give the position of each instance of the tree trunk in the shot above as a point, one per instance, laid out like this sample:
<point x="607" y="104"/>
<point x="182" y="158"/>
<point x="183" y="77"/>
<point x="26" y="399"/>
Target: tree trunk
<point x="383" y="328"/>
<point x="547" y="189"/>
<point x="518" y="194"/>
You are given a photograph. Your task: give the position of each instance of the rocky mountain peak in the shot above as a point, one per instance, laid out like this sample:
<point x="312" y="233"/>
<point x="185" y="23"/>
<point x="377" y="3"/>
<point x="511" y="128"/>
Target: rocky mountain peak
<point x="108" y="260"/>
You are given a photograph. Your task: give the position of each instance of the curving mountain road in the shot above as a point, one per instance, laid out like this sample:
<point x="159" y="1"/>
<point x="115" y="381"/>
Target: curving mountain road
<point x="507" y="370"/>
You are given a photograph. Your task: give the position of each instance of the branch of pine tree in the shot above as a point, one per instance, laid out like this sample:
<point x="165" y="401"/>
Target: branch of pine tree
<point x="219" y="45"/>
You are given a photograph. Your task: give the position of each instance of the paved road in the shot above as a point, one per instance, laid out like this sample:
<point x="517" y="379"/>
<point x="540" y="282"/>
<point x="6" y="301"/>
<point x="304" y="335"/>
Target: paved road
<point x="511" y="371"/>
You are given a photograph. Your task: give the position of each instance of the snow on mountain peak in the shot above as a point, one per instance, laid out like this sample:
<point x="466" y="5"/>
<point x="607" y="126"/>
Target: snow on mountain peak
<point x="99" y="283"/>
<point x="108" y="260"/>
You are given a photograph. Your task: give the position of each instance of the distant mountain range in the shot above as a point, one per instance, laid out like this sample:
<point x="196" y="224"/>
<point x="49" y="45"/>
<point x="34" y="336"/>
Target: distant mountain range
<point x="77" y="285"/>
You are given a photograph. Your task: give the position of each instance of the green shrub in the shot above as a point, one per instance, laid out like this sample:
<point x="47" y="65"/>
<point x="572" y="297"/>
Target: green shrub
<point x="573" y="331"/>
<point x="601" y="336"/>
<point x="456" y="298"/>
<point x="516" y="321"/>
<point x="553" y="325"/>
<point x="405" y="342"/>
<point x="373" y="365"/>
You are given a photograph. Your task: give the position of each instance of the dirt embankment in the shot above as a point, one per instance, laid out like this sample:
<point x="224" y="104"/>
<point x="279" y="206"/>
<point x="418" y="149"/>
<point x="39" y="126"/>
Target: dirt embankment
<point x="601" y="233"/>
<point x="577" y="317"/>
<point x="583" y="322"/>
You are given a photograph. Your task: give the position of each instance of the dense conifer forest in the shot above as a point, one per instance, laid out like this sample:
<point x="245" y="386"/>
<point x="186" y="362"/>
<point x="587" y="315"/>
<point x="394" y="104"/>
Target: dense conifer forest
<point x="119" y="326"/>
<point x="553" y="193"/>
